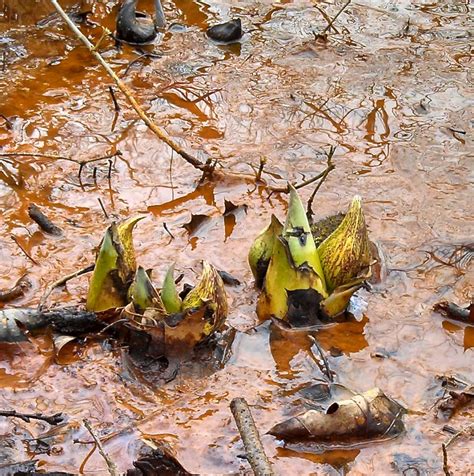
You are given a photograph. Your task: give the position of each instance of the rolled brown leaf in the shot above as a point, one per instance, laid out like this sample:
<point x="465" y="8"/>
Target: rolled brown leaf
<point x="366" y="415"/>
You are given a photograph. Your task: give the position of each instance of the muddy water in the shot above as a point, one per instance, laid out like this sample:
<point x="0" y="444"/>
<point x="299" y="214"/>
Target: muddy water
<point x="390" y="88"/>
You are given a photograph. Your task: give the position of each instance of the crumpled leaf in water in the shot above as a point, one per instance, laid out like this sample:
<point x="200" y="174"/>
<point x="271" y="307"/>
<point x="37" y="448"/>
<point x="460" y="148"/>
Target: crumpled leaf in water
<point x="143" y="294"/>
<point x="157" y="459"/>
<point x="209" y="292"/>
<point x="367" y="415"/>
<point x="114" y="268"/>
<point x="185" y="330"/>
<point x="459" y="395"/>
<point x="345" y="253"/>
<point x="262" y="248"/>
<point x="60" y="341"/>
<point x="169" y="293"/>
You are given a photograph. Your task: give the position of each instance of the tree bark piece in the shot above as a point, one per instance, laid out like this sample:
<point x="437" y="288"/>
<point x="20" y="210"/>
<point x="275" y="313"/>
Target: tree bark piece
<point x="248" y="431"/>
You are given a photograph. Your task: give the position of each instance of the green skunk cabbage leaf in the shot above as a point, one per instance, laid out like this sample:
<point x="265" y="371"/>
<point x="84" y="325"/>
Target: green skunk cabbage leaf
<point x="143" y="294"/>
<point x="169" y="293"/>
<point x="297" y="233"/>
<point x="208" y="292"/>
<point x="283" y="277"/>
<point x="345" y="253"/>
<point x="338" y="300"/>
<point x="114" y="268"/>
<point x="262" y="248"/>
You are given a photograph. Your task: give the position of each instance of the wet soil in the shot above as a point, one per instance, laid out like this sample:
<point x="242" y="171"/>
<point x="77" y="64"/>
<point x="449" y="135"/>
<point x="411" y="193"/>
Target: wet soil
<point x="390" y="88"/>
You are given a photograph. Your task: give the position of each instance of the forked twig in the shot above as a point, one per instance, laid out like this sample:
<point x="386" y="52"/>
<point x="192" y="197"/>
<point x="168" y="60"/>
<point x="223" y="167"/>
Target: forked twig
<point x="62" y="281"/>
<point x="111" y="466"/>
<point x="330" y="166"/>
<point x="52" y="420"/>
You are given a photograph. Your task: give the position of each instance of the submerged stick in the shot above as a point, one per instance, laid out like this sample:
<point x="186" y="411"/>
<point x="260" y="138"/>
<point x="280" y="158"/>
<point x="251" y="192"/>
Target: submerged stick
<point x="128" y="94"/>
<point x="43" y="221"/>
<point x="445" y="460"/>
<point x="248" y="431"/>
<point x="111" y="466"/>
<point x="18" y="290"/>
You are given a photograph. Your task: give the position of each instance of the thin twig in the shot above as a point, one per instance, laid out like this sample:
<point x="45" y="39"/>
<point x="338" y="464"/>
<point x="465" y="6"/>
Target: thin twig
<point x="61" y="282"/>
<point x="327" y="369"/>
<point x="55" y="419"/>
<point x="458" y="434"/>
<point x="335" y="18"/>
<point x="165" y="226"/>
<point x="445" y="460"/>
<point x="111" y="466"/>
<point x="128" y="94"/>
<point x="7" y="121"/>
<point x="15" y="239"/>
<point x="104" y="211"/>
<point x="328" y="20"/>
<point x="261" y="166"/>
<point x="248" y="432"/>
<point x="302" y="184"/>
<point x="59" y="157"/>
<point x="330" y="166"/>
<point x="114" y="99"/>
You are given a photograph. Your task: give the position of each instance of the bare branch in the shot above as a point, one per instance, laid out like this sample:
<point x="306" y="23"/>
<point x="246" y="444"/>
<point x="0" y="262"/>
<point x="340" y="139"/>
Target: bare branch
<point x="128" y="94"/>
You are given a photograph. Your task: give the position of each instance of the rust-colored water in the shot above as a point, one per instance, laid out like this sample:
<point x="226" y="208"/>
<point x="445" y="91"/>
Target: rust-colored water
<point x="391" y="89"/>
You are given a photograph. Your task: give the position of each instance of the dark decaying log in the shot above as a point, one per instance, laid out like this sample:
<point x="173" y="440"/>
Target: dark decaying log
<point x="16" y="323"/>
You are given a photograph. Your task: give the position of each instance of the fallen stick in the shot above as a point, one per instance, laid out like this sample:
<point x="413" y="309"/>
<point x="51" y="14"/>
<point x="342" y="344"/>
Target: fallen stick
<point x="128" y="94"/>
<point x="55" y="419"/>
<point x="111" y="466"/>
<point x="248" y="432"/>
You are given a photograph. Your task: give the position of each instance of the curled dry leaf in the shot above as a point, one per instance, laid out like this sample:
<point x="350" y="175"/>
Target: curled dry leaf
<point x="368" y="415"/>
<point x="157" y="460"/>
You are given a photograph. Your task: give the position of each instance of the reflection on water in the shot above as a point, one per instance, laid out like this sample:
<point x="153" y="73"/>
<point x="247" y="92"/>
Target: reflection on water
<point x="390" y="88"/>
